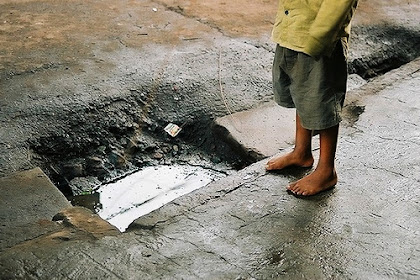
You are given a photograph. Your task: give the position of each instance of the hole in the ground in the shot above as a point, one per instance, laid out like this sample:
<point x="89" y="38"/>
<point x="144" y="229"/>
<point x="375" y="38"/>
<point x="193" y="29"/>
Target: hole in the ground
<point x="87" y="162"/>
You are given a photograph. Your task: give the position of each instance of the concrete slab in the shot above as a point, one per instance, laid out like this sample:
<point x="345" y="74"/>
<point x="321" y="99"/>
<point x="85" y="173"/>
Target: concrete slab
<point x="28" y="202"/>
<point x="264" y="131"/>
<point x="260" y="132"/>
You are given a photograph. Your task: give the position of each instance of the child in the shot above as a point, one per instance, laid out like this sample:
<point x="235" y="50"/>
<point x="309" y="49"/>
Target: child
<point x="310" y="74"/>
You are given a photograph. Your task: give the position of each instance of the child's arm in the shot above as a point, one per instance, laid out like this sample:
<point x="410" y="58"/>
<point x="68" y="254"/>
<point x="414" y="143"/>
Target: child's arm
<point x="328" y="23"/>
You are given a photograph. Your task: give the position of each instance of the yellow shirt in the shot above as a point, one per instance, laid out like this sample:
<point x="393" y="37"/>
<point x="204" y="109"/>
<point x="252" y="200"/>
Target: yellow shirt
<point x="313" y="26"/>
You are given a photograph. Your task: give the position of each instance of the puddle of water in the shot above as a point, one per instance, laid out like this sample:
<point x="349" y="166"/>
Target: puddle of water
<point x="146" y="190"/>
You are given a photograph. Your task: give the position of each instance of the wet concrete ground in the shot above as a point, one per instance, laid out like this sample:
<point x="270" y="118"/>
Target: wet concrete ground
<point x="246" y="226"/>
<point x="76" y="93"/>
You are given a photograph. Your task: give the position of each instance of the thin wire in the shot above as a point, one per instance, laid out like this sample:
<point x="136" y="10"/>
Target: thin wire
<point x="223" y="95"/>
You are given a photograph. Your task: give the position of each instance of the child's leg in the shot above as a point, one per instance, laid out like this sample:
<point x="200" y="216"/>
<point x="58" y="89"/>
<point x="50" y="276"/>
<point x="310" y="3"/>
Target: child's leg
<point x="301" y="154"/>
<point x="324" y="177"/>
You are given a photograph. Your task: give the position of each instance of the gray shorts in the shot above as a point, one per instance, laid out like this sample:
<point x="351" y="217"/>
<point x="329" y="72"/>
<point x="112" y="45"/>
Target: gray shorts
<point x="316" y="88"/>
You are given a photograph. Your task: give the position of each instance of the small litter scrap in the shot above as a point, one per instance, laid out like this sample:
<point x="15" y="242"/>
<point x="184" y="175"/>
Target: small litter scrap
<point x="172" y="129"/>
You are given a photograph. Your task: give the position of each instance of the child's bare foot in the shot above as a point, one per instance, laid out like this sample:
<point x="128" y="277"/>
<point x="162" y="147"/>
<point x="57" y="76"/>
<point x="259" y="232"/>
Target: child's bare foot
<point x="314" y="183"/>
<point x="291" y="159"/>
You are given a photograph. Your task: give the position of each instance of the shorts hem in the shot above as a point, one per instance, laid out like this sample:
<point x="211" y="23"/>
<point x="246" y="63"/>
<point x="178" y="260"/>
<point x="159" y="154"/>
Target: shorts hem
<point x="321" y="126"/>
<point x="286" y="105"/>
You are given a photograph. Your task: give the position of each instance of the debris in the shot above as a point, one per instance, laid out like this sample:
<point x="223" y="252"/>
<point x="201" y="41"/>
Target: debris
<point x="172" y="129"/>
<point x="84" y="185"/>
<point x="157" y="155"/>
<point x="166" y="149"/>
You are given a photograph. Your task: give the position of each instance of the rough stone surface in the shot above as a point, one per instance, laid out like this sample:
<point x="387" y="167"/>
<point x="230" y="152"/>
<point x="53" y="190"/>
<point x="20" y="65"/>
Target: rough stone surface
<point x="28" y="201"/>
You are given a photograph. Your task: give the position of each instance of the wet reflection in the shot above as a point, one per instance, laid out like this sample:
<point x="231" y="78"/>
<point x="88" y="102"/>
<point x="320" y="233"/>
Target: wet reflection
<point x="148" y="189"/>
<point x="90" y="201"/>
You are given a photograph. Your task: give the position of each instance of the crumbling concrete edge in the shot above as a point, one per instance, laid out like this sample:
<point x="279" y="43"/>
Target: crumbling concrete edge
<point x="248" y="154"/>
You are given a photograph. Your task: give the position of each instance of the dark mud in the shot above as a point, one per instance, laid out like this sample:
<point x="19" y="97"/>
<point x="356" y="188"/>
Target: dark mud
<point x="114" y="139"/>
<point x="389" y="47"/>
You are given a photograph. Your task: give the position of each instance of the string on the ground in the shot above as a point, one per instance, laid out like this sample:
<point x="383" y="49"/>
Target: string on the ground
<point x="222" y="94"/>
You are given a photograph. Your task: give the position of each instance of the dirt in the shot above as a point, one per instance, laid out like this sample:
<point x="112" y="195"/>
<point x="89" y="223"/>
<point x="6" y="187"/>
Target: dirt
<point x="87" y="87"/>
